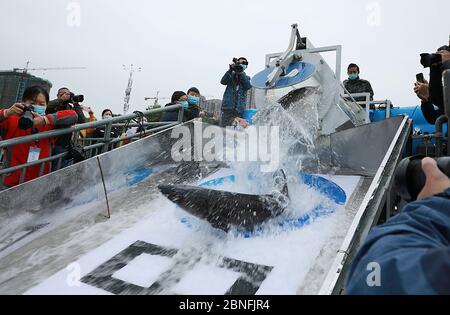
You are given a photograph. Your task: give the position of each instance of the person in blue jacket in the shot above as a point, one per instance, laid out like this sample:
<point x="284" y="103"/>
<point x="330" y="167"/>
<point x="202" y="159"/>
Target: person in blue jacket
<point x="410" y="254"/>
<point x="235" y="96"/>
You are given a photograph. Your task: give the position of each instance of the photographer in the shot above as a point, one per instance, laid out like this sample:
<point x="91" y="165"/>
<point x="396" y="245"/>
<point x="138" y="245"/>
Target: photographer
<point x="66" y="100"/>
<point x="24" y="119"/>
<point x="413" y="248"/>
<point x="431" y="93"/>
<point x="235" y="96"/>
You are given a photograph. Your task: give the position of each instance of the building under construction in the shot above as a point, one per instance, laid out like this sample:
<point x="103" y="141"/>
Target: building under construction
<point x="14" y="83"/>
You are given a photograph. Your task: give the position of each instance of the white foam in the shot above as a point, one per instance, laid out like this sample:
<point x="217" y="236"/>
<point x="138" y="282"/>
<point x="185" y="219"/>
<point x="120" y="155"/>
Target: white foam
<point x="291" y="253"/>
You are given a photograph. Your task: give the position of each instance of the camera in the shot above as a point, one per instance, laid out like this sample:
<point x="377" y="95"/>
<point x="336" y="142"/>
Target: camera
<point x="410" y="179"/>
<point x="26" y="121"/>
<point x="427" y="60"/>
<point x="76" y="98"/>
<point x="236" y="66"/>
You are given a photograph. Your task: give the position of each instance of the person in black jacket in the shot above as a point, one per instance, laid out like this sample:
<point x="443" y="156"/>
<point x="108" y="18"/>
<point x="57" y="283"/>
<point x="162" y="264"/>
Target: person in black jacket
<point x="100" y="132"/>
<point x="432" y="93"/>
<point x="355" y="84"/>
<point x="178" y="97"/>
<point x="64" y="102"/>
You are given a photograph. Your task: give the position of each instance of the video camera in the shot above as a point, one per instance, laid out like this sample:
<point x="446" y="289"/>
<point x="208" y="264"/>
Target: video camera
<point x="427" y="60"/>
<point x="76" y="98"/>
<point x="236" y="66"/>
<point x="410" y="178"/>
<point x="26" y="121"/>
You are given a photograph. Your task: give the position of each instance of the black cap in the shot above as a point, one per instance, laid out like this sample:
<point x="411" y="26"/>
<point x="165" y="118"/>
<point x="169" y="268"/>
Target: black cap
<point x="243" y="60"/>
<point x="106" y="110"/>
<point x="176" y="96"/>
<point x="447" y="48"/>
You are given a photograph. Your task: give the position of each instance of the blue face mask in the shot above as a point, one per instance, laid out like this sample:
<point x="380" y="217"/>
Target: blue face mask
<point x="107" y="117"/>
<point x="193" y="100"/>
<point x="353" y="76"/>
<point x="185" y="104"/>
<point x="39" y="109"/>
<point x="244" y="67"/>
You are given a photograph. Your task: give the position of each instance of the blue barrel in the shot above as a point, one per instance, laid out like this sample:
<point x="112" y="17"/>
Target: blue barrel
<point x="249" y="114"/>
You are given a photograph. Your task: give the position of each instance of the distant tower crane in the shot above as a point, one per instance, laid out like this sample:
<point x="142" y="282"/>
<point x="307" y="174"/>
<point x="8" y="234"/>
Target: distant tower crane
<point x="157" y="98"/>
<point x="24" y="79"/>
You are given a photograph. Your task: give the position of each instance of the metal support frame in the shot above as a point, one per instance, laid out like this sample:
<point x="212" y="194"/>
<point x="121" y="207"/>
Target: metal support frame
<point x="439" y="135"/>
<point x="337" y="49"/>
<point x="103" y="144"/>
<point x="284" y="60"/>
<point x="366" y="103"/>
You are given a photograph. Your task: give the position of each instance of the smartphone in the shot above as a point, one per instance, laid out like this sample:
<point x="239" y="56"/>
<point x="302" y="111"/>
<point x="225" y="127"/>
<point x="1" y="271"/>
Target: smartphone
<point x="420" y="78"/>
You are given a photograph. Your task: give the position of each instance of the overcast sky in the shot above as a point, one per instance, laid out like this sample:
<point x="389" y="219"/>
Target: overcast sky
<point x="184" y="43"/>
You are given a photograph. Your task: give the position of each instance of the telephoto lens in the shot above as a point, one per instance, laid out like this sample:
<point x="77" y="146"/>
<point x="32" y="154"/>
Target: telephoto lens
<point x="410" y="179"/>
<point x="427" y="60"/>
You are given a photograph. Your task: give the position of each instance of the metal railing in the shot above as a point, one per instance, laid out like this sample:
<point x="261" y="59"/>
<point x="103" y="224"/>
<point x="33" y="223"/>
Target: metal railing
<point x="91" y="146"/>
<point x="368" y="104"/>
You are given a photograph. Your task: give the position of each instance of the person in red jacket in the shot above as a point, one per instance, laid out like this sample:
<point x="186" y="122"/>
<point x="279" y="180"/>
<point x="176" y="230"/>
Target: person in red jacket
<point x="37" y="150"/>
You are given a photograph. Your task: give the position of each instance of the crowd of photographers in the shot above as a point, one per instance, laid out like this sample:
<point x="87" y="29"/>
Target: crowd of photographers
<point x="36" y="113"/>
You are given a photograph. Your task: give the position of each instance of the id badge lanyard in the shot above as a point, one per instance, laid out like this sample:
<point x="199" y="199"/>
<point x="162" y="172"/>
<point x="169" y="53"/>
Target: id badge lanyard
<point x="34" y="152"/>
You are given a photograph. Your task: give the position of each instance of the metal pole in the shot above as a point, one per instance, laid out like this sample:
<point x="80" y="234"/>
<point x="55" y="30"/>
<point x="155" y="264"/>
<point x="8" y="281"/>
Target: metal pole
<point x="107" y="138"/>
<point x="446" y="77"/>
<point x="180" y="115"/>
<point x="440" y="135"/>
<point x="338" y="62"/>
<point x="367" y="108"/>
<point x="388" y="108"/>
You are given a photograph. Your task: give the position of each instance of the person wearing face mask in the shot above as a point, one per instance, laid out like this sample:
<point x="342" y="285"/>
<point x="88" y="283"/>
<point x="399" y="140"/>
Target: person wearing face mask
<point x="64" y="101"/>
<point x="178" y="97"/>
<point x="193" y="111"/>
<point x="355" y="84"/>
<point x="235" y="96"/>
<point x="107" y="114"/>
<point x="432" y="93"/>
<point x="38" y="98"/>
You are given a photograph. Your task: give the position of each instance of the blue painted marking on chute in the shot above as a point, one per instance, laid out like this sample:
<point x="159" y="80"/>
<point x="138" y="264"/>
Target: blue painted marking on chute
<point x="138" y="175"/>
<point x="219" y="181"/>
<point x="326" y="187"/>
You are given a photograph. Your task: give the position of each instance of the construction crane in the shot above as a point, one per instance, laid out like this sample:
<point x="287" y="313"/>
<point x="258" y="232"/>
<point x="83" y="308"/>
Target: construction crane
<point x="26" y="69"/>
<point x="157" y="98"/>
<point x="24" y="79"/>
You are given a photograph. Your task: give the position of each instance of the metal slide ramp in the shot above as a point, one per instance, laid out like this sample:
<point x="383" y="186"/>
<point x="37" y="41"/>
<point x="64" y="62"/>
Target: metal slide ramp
<point x="56" y="237"/>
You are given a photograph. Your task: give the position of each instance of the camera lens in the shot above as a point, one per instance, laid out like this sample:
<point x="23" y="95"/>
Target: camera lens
<point x="427" y="60"/>
<point x="27" y="119"/>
